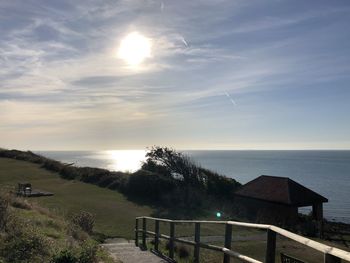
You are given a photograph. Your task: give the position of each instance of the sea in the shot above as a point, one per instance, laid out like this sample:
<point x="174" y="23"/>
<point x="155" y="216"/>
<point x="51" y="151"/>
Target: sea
<point x="325" y="172"/>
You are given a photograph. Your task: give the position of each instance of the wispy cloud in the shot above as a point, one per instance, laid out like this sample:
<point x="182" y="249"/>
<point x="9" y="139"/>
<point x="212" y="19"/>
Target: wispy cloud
<point x="60" y="74"/>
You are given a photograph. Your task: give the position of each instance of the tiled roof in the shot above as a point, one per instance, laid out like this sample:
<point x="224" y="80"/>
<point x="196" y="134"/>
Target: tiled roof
<point x="281" y="190"/>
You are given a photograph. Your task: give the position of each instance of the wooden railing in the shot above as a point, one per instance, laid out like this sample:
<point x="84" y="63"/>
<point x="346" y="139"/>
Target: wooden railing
<point x="331" y="254"/>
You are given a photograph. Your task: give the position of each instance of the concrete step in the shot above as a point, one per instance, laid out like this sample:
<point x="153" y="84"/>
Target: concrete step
<point x="127" y="252"/>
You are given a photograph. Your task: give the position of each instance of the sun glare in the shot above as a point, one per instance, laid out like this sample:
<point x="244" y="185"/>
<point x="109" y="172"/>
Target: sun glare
<point x="134" y="49"/>
<point x="126" y="160"/>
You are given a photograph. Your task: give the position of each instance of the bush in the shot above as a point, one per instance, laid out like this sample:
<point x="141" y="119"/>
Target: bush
<point x="149" y="185"/>
<point x="89" y="252"/>
<point x="309" y="228"/>
<point x="183" y="252"/>
<point x="21" y="204"/>
<point x="70" y="173"/>
<point x="113" y="180"/>
<point x="85" y="221"/>
<point x="167" y="246"/>
<point x="76" y="232"/>
<point x="220" y="186"/>
<point x="52" y="165"/>
<point x="23" y="243"/>
<point x="65" y="256"/>
<point x="119" y="182"/>
<point x="4" y="211"/>
<point x="20" y="155"/>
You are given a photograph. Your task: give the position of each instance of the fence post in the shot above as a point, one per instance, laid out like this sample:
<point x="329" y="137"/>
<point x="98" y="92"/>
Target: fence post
<point x="270" y="247"/>
<point x="144" y="229"/>
<point x="156" y="237"/>
<point x="228" y="240"/>
<point x="331" y="259"/>
<point x="171" y="241"/>
<point x="197" y="235"/>
<point x="137" y="232"/>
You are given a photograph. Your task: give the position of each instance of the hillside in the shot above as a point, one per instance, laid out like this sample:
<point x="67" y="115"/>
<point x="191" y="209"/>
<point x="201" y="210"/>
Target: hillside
<point x="32" y="233"/>
<point x="114" y="213"/>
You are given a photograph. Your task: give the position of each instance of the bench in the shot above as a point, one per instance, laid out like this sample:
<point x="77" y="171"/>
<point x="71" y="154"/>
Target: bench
<point x="24" y="189"/>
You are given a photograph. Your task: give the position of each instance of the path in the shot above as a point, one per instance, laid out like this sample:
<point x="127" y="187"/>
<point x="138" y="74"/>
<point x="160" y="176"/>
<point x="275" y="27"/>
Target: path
<point x="127" y="252"/>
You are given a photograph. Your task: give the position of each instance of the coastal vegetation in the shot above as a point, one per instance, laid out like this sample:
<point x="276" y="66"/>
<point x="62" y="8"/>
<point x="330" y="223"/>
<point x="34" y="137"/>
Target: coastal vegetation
<point x="113" y="213"/>
<point x="31" y="233"/>
<point x="164" y="181"/>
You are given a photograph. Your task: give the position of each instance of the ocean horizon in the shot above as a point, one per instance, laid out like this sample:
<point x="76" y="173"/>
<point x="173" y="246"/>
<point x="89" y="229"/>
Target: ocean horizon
<point x="326" y="172"/>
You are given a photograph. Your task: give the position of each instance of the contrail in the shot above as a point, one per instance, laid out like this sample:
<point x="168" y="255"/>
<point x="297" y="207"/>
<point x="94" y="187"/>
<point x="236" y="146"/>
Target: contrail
<point x="230" y="98"/>
<point x="184" y="41"/>
<point x="162" y="6"/>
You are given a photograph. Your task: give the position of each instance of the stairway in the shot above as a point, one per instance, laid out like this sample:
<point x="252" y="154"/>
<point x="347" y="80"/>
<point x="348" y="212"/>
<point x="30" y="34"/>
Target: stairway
<point x="127" y="252"/>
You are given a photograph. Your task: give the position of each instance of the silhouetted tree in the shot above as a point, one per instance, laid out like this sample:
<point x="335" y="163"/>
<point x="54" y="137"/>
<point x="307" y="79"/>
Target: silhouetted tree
<point x="177" y="165"/>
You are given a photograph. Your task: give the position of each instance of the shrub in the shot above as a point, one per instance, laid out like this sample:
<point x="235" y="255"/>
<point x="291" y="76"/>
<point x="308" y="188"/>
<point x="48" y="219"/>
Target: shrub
<point x="309" y="228"/>
<point x="167" y="246"/>
<point x="21" y="204"/>
<point x="106" y="180"/>
<point x="88" y="252"/>
<point x="76" y="232"/>
<point x="92" y="175"/>
<point x="4" y="211"/>
<point x="52" y="165"/>
<point x="85" y="221"/>
<point x="119" y="182"/>
<point x="69" y="172"/>
<point x="220" y="186"/>
<point x="65" y="256"/>
<point x="183" y="252"/>
<point x="149" y="185"/>
<point x="23" y="243"/>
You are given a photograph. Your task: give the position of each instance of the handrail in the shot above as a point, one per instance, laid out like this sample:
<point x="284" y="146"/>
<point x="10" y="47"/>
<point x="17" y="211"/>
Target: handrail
<point x="332" y="254"/>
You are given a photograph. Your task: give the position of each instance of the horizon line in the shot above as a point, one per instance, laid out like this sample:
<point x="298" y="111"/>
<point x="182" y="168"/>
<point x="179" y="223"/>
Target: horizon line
<point x="193" y="149"/>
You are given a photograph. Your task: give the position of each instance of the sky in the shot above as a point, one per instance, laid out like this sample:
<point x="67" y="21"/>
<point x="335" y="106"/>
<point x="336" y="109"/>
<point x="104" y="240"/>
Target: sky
<point x="232" y="74"/>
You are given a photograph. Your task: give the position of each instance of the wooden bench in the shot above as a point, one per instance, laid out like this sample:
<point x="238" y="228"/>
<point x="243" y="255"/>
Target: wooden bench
<point x="24" y="189"/>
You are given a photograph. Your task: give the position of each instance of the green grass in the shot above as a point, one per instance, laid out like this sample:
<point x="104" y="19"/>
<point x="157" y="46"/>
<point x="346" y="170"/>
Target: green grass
<point x="52" y="233"/>
<point x="115" y="215"/>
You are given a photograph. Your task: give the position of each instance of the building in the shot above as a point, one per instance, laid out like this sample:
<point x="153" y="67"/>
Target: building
<point x="275" y="200"/>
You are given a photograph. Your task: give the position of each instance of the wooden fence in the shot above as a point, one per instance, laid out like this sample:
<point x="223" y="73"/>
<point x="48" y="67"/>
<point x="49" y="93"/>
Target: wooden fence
<point x="331" y="254"/>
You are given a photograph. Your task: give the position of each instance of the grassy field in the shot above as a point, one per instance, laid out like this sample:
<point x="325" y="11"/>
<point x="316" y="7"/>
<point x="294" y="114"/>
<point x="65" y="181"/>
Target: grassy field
<point x="115" y="215"/>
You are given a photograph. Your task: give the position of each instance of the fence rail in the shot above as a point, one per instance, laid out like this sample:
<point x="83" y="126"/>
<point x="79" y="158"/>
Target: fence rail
<point x="331" y="254"/>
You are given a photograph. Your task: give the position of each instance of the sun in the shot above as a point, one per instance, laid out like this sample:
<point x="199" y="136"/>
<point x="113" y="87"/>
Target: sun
<point x="134" y="48"/>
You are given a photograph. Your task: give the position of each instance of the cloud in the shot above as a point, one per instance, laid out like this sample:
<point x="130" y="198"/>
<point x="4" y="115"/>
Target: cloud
<point x="59" y="71"/>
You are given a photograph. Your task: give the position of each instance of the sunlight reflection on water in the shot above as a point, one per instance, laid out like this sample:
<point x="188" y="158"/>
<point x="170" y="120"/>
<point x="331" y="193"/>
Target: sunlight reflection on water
<point x="119" y="160"/>
<point x="125" y="160"/>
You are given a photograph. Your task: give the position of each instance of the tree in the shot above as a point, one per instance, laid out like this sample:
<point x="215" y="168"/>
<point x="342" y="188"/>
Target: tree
<point x="174" y="164"/>
<point x="196" y="185"/>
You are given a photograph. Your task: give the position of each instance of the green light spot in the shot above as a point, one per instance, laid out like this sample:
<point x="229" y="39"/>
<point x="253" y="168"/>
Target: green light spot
<point x="218" y="214"/>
